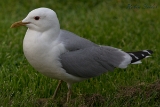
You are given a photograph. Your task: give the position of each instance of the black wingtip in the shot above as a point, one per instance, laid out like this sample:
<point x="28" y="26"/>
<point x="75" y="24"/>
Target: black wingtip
<point x="139" y="55"/>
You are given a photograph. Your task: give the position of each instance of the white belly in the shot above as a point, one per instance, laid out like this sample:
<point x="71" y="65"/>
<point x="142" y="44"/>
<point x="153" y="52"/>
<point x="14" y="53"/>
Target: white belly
<point x="44" y="57"/>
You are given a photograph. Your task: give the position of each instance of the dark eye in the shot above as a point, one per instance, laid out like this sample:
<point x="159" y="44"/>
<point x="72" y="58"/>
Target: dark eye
<point x="36" y="17"/>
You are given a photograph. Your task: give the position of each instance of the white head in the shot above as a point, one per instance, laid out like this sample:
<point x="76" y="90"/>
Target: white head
<point x="40" y="19"/>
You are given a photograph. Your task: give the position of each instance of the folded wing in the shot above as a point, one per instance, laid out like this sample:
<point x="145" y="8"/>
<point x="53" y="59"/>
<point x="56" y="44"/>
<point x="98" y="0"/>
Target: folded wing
<point x="93" y="61"/>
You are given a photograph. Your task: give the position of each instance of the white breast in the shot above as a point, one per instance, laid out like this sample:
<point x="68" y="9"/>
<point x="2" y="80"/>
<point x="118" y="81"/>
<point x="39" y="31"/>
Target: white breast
<point x="44" y="56"/>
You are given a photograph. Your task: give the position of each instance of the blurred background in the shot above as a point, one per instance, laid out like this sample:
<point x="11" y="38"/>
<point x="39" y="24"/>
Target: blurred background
<point x="128" y="25"/>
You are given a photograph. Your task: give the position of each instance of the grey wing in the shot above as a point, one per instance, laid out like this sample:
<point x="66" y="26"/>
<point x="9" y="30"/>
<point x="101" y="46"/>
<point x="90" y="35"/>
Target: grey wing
<point x="93" y="61"/>
<point x="73" y="42"/>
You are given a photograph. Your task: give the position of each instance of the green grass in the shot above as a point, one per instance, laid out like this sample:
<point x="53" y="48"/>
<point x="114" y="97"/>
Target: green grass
<point x="103" y="22"/>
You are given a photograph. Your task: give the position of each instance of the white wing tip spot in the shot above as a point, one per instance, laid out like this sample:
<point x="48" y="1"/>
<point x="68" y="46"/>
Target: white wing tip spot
<point x="147" y="52"/>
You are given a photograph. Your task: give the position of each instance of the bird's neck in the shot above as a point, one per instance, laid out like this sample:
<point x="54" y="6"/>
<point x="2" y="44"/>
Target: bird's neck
<point x="51" y="34"/>
<point x="47" y="36"/>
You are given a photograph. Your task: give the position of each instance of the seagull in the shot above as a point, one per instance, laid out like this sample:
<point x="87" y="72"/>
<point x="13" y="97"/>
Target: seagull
<point x="65" y="56"/>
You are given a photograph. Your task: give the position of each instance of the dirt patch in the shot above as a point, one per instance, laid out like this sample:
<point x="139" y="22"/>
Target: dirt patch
<point x="87" y="100"/>
<point x="124" y="95"/>
<point x="153" y="89"/>
<point x="147" y="90"/>
<point x="93" y="100"/>
<point x="41" y="102"/>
